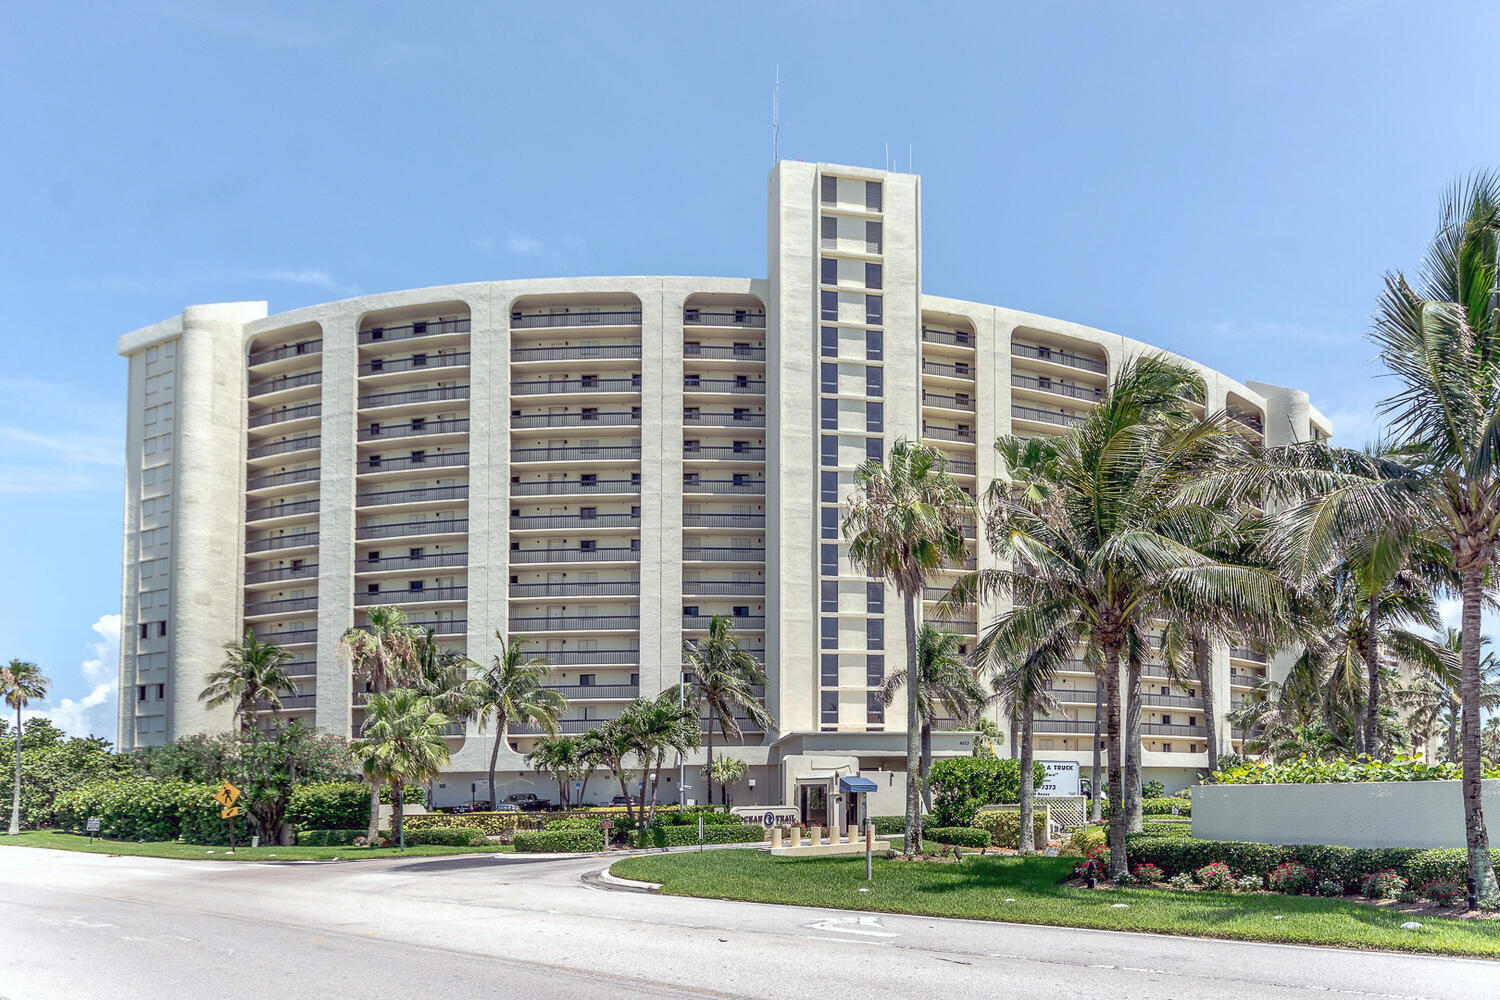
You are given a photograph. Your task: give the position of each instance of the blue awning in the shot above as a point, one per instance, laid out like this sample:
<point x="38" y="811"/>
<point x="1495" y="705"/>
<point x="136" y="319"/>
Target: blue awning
<point x="857" y="784"/>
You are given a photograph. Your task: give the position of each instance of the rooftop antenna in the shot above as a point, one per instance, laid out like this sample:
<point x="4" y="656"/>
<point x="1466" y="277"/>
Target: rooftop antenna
<point x="776" y="119"/>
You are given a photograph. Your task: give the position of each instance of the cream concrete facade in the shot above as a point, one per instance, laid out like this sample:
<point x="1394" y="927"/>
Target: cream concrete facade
<point x="601" y="464"/>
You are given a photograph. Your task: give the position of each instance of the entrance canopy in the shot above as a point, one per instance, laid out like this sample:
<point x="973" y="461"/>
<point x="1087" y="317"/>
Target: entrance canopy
<point x="856" y="784"/>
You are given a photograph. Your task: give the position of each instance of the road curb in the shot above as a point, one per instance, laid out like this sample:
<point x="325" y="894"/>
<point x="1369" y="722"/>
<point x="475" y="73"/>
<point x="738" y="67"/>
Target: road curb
<point x="609" y="878"/>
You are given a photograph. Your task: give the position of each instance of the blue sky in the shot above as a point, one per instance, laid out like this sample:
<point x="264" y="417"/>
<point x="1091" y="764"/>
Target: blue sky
<point x="1225" y="180"/>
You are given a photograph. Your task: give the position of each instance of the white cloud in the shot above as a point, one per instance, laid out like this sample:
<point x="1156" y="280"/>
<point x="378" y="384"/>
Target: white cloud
<point x="520" y="243"/>
<point x="94" y="714"/>
<point x="56" y="438"/>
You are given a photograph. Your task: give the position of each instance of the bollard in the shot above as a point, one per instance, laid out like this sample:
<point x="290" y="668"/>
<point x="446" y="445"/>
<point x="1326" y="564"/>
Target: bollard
<point x="796" y="836"/>
<point x="815" y="835"/>
<point x="775" y="837"/>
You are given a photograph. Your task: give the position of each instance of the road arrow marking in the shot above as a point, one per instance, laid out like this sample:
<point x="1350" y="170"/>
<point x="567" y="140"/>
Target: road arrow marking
<point x="868" y="926"/>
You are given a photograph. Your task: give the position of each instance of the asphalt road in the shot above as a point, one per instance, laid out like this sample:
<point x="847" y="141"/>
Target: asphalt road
<point x="80" y="925"/>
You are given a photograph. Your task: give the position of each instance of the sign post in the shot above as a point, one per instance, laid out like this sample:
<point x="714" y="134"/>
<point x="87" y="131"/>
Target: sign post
<point x="869" y="852"/>
<point x="700" y="833"/>
<point x="226" y="797"/>
<point x="93" y="828"/>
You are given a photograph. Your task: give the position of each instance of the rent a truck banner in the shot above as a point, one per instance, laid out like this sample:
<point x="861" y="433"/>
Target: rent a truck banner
<point x="1061" y="779"/>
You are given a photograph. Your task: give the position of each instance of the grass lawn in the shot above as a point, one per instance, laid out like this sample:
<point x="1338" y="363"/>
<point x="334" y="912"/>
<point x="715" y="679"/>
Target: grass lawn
<point x="198" y="852"/>
<point x="979" y="887"/>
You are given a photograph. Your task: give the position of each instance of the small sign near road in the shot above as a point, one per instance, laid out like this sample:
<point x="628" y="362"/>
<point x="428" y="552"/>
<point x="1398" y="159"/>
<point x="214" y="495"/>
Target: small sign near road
<point x="92" y="827"/>
<point x="229" y="812"/>
<point x="227" y="795"/>
<point x="606" y="824"/>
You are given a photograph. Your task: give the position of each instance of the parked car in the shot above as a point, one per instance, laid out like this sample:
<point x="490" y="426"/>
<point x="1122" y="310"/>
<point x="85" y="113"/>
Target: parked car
<point x="528" y="802"/>
<point x="619" y="801"/>
<point x="473" y="806"/>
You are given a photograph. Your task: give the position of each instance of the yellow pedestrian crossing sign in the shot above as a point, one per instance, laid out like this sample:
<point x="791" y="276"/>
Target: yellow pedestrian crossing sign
<point x="229" y="812"/>
<point x="227" y="796"/>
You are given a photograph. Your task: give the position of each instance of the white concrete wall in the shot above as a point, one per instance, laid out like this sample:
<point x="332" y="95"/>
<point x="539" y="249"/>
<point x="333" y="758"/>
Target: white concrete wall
<point x="1356" y="814"/>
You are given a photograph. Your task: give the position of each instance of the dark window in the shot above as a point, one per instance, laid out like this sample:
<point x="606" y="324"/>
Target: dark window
<point x="830" y="408"/>
<point x="874" y="708"/>
<point x="830" y="304"/>
<point x="690" y="611"/>
<point x="875" y="633"/>
<point x="830" y="491"/>
<point x="742" y="611"/>
<point x="830" y="632"/>
<point x="374" y="430"/>
<point x="874" y="382"/>
<point x="830" y="449"/>
<point x="874" y="598"/>
<point x="588" y="513"/>
<point x="161" y="629"/>
<point x="830" y="560"/>
<point x="874" y="449"/>
<point x="418" y="457"/>
<point x="875" y="417"/>
<point x="830" y="595"/>
<point x="145" y="630"/>
<point x="830" y="271"/>
<point x="415" y="553"/>
<point x="372" y="588"/>
<point x="830" y="708"/>
<point x="829" y="230"/>
<point x="586" y="680"/>
<point x="588" y="478"/>
<point x="140" y="693"/>
<point x="874" y="671"/>
<point x="418" y="423"/>
<point x="874" y="345"/>
<point x="418" y="360"/>
<point x="589" y="413"/>
<point x="830" y="341"/>
<point x="872" y="196"/>
<point x="872" y="275"/>
<point x="872" y="237"/>
<point x="415" y="585"/>
<point x="829" y="189"/>
<point x="873" y="309"/>
<point x="829" y="673"/>
<point x="830" y="522"/>
<point x="829" y="377"/>
<point x="588" y="545"/>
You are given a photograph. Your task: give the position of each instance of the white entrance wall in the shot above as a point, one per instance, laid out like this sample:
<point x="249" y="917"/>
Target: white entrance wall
<point x="1355" y="814"/>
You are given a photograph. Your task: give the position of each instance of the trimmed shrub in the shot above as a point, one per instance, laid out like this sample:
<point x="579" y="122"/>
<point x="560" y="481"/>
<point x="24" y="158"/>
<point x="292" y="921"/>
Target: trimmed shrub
<point x="889" y="826"/>
<point x="559" y="841"/>
<point x="1384" y="884"/>
<point x="1164" y="806"/>
<point x="683" y="835"/>
<point x="1347" y="865"/>
<point x="1304" y="771"/>
<point x="447" y="836"/>
<point x="332" y="805"/>
<point x="1290" y="878"/>
<point x="1148" y="872"/>
<point x="1004" y="827"/>
<point x="1449" y="864"/>
<point x="1215" y="875"/>
<point x="1167" y="829"/>
<point x="1182" y="880"/>
<point x="1248" y="883"/>
<point x="329" y="838"/>
<point x="1329" y="887"/>
<point x="963" y="836"/>
<point x="1444" y="892"/>
<point x="146" y="809"/>
<point x="1084" y="839"/>
<point x="961" y="785"/>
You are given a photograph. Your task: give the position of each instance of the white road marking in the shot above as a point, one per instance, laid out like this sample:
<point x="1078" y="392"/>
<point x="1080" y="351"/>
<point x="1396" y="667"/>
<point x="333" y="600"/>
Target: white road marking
<point x="868" y="926"/>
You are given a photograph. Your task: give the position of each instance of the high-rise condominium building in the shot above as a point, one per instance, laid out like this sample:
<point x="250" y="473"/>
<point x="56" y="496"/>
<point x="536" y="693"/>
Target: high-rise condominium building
<point x="602" y="465"/>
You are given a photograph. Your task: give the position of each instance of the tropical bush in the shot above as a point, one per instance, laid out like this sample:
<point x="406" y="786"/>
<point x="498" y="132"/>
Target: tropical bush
<point x="1099" y="855"/>
<point x="142" y="809"/>
<point x="1384" y="884"/>
<point x="1443" y="892"/>
<point x="888" y="826"/>
<point x="53" y="762"/>
<point x="1348" y="865"/>
<point x="1306" y="771"/>
<point x="1215" y="875"/>
<point x="1003" y="826"/>
<point x="1148" y="872"/>
<point x="962" y="836"/>
<point x="1182" y="880"/>
<point x="447" y="836"/>
<point x="559" y="841"/>
<point x="1329" y="887"/>
<point x="961" y="785"/>
<point x="680" y="835"/>
<point x="329" y="805"/>
<point x="1167" y="829"/>
<point x="331" y="838"/>
<point x="1248" y="883"/>
<point x="1290" y="878"/>
<point x="1085" y="838"/>
<point x="1164" y="806"/>
<point x="1153" y="790"/>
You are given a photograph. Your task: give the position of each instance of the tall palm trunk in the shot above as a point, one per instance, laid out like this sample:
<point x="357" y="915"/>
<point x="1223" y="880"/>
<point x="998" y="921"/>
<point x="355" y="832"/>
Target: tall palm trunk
<point x="1095" y="785"/>
<point x="1135" y="820"/>
<point x="661" y="761"/>
<point x="1117" y="860"/>
<point x="913" y="842"/>
<point x="926" y="764"/>
<point x="1015" y="734"/>
<point x="1453" y="711"/>
<point x="1028" y="786"/>
<point x="625" y="792"/>
<point x="1203" y="666"/>
<point x="15" y="793"/>
<point x="1481" y="876"/>
<point x="500" y="721"/>
<point x="398" y="795"/>
<point x="374" y="830"/>
<point x="709" y="769"/>
<point x="1372" y="668"/>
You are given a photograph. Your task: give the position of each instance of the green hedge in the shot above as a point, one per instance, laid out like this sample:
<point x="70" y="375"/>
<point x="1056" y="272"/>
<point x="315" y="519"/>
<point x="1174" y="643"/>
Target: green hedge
<point x="1306" y="772"/>
<point x="889" y="826"/>
<point x="1348" y="865"/>
<point x="559" y="841"/>
<point x="332" y="805"/>
<point x="682" y="836"/>
<point x="1167" y="829"/>
<point x="1003" y="827"/>
<point x="961" y="785"/>
<point x="330" y="838"/>
<point x="145" y="809"/>
<point x="447" y="836"/>
<point x="962" y="836"/>
<point x="1164" y="806"/>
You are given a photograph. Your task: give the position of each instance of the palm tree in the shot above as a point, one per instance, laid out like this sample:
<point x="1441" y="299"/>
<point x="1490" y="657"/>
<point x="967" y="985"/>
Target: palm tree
<point x="443" y="676"/>
<point x="512" y="689"/>
<point x="949" y="682"/>
<point x="382" y="655"/>
<point x="402" y="745"/>
<point x="726" y="771"/>
<point x="1489" y="685"/>
<point x="559" y="756"/>
<point x="253" y="672"/>
<point x="612" y="744"/>
<point x="905" y="521"/>
<point x="1024" y="684"/>
<point x="653" y="728"/>
<point x="20" y="682"/>
<point x="593" y="750"/>
<point x="724" y="675"/>
<point x="1093" y="523"/>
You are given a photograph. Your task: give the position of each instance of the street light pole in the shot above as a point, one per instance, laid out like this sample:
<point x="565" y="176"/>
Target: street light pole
<point x="681" y="763"/>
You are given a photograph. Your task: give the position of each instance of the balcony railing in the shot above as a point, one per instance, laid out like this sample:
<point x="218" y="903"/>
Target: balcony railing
<point x="963" y="626"/>
<point x="415" y="428"/>
<point x="301" y="668"/>
<point x="278" y="383"/>
<point x="713" y="553"/>
<point x="575" y="623"/>
<point x="294" y="541"/>
<point x="616" y="588"/>
<point x="753" y="453"/>
<point x="962" y="371"/>
<point x="734" y="352"/>
<point x="304" y="572"/>
<point x="575" y="487"/>
<point x="748" y="387"/>
<point x="299" y="349"/>
<point x="284" y="414"/>
<point x="303" y="443"/>
<point x="725" y="419"/>
<point x="723" y="520"/>
<point x="1244" y="653"/>
<point x="961" y="466"/>
<point x="623" y="418"/>
<point x="949" y="402"/>
<point x="1076" y="695"/>
<point x="542" y="321"/>
<point x="697" y="317"/>
<point x="938" y="433"/>
<point x="424" y="495"/>
<point x="1170" y="700"/>
<point x="438" y="626"/>
<point x="282" y="478"/>
<point x="593" y="657"/>
<point x="405" y="396"/>
<point x="289" y="702"/>
<point x="572" y="385"/>
<point x="568" y="727"/>
<point x="1246" y="680"/>
<point x="1165" y="729"/>
<point x="724" y="588"/>
<point x="398" y="463"/>
<point x="534" y="522"/>
<point x="596" y="692"/>
<point x="598" y="453"/>
<point x="1059" y="356"/>
<point x="1078" y="726"/>
<point x="288" y="605"/>
<point x="420" y="328"/>
<point x="432" y="561"/>
<point x="565" y="555"/>
<point x="1084" y="392"/>
<point x="959" y="339"/>
<point x="425" y="595"/>
<point x="266" y="511"/>
<point x="584" y="352"/>
<point x="753" y="622"/>
<point x="406" y="529"/>
<point x="754" y="487"/>
<point x="1034" y="413"/>
<point x="290" y="637"/>
<point x="381" y="366"/>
